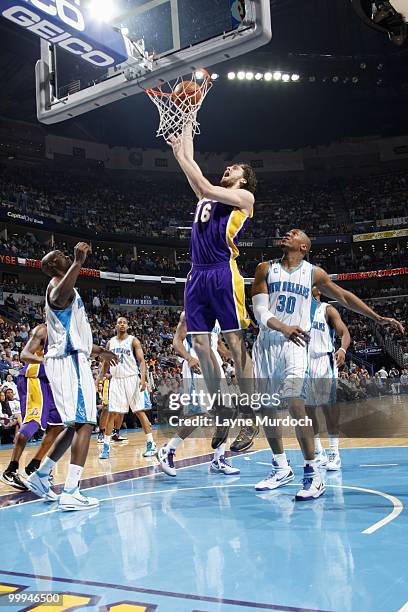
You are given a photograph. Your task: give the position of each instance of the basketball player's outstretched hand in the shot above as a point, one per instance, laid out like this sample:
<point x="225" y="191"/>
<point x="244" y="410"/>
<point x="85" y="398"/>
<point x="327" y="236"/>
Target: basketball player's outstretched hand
<point x="80" y="252"/>
<point x="194" y="365"/>
<point x="109" y="357"/>
<point x="393" y="323"/>
<point x="296" y="335"/>
<point x="176" y="144"/>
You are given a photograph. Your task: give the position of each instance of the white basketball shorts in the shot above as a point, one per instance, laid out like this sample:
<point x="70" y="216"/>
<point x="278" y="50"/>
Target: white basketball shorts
<point x="124" y="393"/>
<point x="280" y="366"/>
<point x="323" y="380"/>
<point x="73" y="388"/>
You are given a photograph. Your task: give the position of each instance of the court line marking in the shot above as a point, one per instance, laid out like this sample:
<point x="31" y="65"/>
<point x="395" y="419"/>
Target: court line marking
<point x="377" y="464"/>
<point x="396" y="511"/>
<point x="404" y="608"/>
<point x="251" y="452"/>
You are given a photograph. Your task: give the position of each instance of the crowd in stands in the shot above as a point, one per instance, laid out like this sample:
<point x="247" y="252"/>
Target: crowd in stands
<point x="151" y="206"/>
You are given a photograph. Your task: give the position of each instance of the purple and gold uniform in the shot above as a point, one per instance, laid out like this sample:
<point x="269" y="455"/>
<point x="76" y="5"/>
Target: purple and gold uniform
<point x="215" y="288"/>
<point x="36" y="400"/>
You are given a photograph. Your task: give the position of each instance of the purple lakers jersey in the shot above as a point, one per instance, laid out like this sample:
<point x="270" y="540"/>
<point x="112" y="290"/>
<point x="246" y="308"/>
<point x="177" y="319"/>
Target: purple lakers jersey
<point x="216" y="231"/>
<point x="35" y="370"/>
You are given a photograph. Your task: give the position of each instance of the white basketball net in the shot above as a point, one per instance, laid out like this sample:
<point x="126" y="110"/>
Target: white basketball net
<point x="176" y="110"/>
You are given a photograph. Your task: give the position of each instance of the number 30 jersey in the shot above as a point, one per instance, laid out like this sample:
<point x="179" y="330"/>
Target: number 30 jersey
<point x="216" y="231"/>
<point x="290" y="294"/>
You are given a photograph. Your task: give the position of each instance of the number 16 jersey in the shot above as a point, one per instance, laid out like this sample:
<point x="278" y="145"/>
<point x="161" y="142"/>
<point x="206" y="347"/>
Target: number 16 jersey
<point x="290" y="294"/>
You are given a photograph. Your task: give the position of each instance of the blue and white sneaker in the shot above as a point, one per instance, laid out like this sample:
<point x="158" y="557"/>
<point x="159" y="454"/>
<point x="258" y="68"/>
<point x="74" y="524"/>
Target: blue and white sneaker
<point x="74" y="500"/>
<point x="313" y="486"/>
<point x="333" y="460"/>
<point x="104" y="454"/>
<point x="221" y="466"/>
<point x="41" y="486"/>
<point x="321" y="458"/>
<point x="277" y="478"/>
<point x="166" y="460"/>
<point x="151" y="450"/>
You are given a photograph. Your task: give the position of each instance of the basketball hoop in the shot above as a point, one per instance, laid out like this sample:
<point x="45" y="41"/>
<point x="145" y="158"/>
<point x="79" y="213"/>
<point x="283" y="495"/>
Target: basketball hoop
<point x="179" y="102"/>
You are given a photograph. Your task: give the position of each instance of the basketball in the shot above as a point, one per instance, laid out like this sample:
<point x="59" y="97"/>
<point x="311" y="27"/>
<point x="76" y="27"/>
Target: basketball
<point x="187" y="94"/>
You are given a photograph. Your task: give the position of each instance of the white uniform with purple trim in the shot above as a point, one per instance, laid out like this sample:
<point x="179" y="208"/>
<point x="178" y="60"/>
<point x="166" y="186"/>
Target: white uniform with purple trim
<point x="280" y="365"/>
<point x="322" y="364"/>
<point x="124" y="387"/>
<point x="67" y="362"/>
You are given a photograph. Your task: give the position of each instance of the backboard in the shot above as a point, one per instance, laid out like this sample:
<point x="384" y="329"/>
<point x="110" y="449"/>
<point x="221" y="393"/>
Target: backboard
<point x="94" y="52"/>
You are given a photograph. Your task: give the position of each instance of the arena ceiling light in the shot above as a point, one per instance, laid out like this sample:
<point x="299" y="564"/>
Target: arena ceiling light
<point x="258" y="76"/>
<point x="268" y="76"/>
<point x="285" y="78"/>
<point x="241" y="75"/>
<point x="295" y="77"/>
<point x="249" y="76"/>
<point x="214" y="76"/>
<point x="199" y="75"/>
<point x="231" y="76"/>
<point x="101" y="10"/>
<point x="277" y="75"/>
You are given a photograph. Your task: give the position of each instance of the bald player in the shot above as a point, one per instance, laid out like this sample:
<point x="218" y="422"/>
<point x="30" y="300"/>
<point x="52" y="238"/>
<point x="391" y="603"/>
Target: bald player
<point x="285" y="308"/>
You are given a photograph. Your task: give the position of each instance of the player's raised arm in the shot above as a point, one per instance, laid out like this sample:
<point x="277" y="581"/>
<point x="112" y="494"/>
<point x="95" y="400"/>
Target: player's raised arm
<point x="237" y="197"/>
<point x="260" y="303"/>
<point x="350" y="301"/>
<point x="336" y="322"/>
<point x="138" y="351"/>
<point x="34" y="344"/>
<point x="64" y="278"/>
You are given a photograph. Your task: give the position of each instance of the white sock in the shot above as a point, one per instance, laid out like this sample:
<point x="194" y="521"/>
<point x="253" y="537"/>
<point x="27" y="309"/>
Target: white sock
<point x="149" y="437"/>
<point x="46" y="467"/>
<point x="317" y="444"/>
<point x="281" y="460"/>
<point x="310" y="462"/>
<point x="73" y="477"/>
<point x="334" y="443"/>
<point x="174" y="442"/>
<point x="107" y="439"/>
<point x="220" y="451"/>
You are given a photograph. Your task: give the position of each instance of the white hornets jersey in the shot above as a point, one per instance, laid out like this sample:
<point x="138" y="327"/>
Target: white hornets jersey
<point x="188" y="342"/>
<point x="127" y="365"/>
<point x="290" y="294"/>
<point x="68" y="330"/>
<point x="322" y="335"/>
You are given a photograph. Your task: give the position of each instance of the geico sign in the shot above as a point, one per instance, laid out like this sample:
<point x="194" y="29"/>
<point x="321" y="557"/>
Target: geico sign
<point x="68" y="14"/>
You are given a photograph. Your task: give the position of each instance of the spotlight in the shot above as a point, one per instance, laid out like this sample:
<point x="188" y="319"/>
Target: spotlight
<point x="295" y="77"/>
<point x="231" y="76"/>
<point x="199" y="75"/>
<point x="249" y="76"/>
<point x="285" y="78"/>
<point x="354" y="79"/>
<point x="277" y="75"/>
<point x="268" y="76"/>
<point x="241" y="75"/>
<point x="335" y="79"/>
<point x="101" y="10"/>
<point x="258" y="76"/>
<point x="214" y="76"/>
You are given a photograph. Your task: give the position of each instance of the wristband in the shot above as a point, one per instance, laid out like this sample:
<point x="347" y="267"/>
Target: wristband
<point x="342" y="349"/>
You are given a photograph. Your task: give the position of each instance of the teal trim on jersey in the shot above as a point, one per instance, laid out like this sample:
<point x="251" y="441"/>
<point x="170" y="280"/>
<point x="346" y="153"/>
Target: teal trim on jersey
<point x="313" y="303"/>
<point x="64" y="317"/>
<point x="333" y="390"/>
<point x="295" y="269"/>
<point x="80" y="416"/>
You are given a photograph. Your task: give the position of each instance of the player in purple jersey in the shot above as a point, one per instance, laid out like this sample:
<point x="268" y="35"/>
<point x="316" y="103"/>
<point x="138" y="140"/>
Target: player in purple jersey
<point x="37" y="408"/>
<point x="215" y="288"/>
